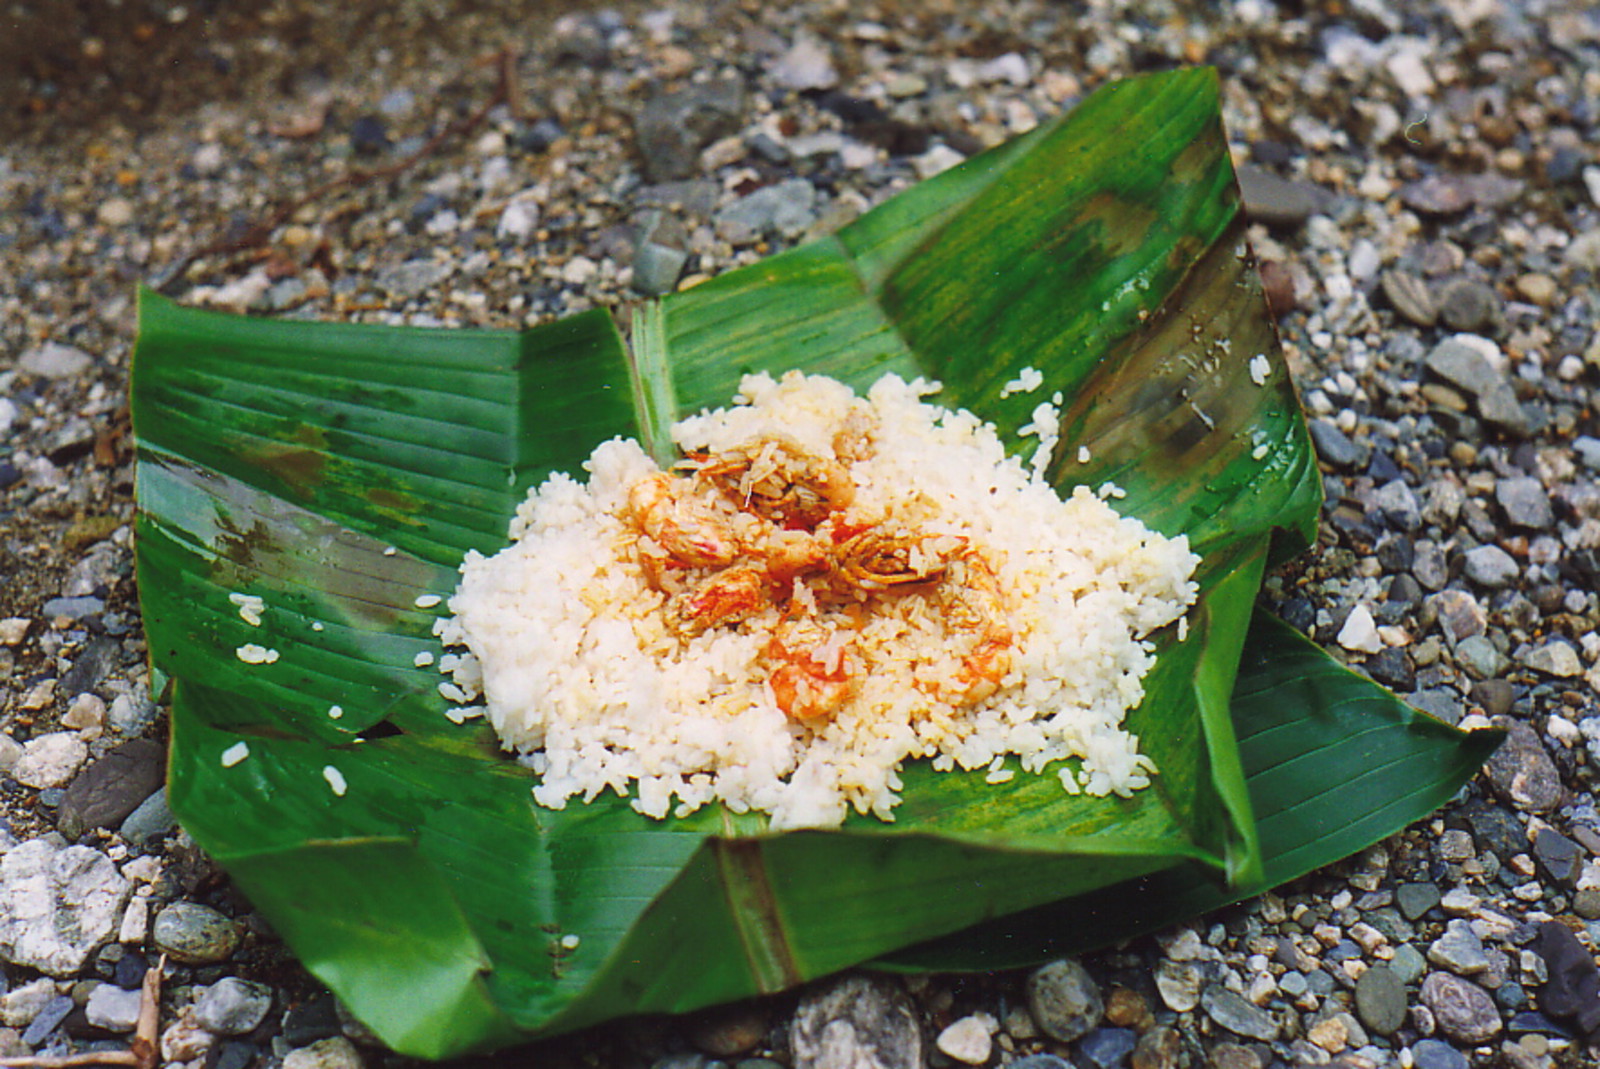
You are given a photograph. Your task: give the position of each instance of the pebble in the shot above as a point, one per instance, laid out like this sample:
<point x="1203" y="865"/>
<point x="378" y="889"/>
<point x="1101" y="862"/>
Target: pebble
<point x="335" y="1052"/>
<point x="113" y="1008"/>
<point x="1571" y="990"/>
<point x="1335" y="447"/>
<point x="152" y="820"/>
<point x="1106" y="1048"/>
<point x="1437" y="195"/>
<point x="1525" y="502"/>
<point x="50" y="760"/>
<point x="1415" y="899"/>
<point x="233" y="1007"/>
<point x="1521" y="771"/>
<point x="58" y="904"/>
<point x="1459" y="949"/>
<point x="1230" y="1010"/>
<point x="1435" y="1054"/>
<point x="1480" y="657"/>
<point x="672" y="128"/>
<point x="657" y="268"/>
<point x="1554" y="658"/>
<point x="1360" y="632"/>
<point x="866" y="1022"/>
<point x="1276" y="201"/>
<point x="1408" y="964"/>
<point x="1178" y="984"/>
<point x="53" y="360"/>
<point x="50" y="1016"/>
<point x="1490" y="566"/>
<point x="107" y="791"/>
<point x="518" y="220"/>
<point x="806" y="65"/>
<point x="787" y="208"/>
<point x="193" y="934"/>
<point x="1462" y="363"/>
<point x="968" y="1039"/>
<point x="1560" y="858"/>
<point x="1463" y="1011"/>
<point x="1380" y="998"/>
<point x="1468" y="305"/>
<point x="20" y="1005"/>
<point x="1064" y="999"/>
<point x="413" y="278"/>
<point x="1411" y="297"/>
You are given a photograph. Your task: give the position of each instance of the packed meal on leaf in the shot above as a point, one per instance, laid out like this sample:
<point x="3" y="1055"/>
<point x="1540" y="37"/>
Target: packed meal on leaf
<point x="823" y="587"/>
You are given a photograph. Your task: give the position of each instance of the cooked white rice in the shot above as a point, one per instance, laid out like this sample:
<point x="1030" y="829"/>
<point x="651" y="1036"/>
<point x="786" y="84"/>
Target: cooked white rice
<point x="582" y="669"/>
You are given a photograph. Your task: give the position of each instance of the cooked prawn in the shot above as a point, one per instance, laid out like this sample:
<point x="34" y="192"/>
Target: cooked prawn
<point x="775" y="478"/>
<point x="685" y="528"/>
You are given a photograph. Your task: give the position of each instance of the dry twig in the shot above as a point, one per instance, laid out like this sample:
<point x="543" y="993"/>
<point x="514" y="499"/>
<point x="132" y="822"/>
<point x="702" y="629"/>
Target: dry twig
<point x="143" y="1051"/>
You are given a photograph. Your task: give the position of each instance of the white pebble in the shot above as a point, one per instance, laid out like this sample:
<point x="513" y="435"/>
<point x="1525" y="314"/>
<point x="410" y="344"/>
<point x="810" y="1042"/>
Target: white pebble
<point x="234" y="754"/>
<point x="967" y="1040"/>
<point x="335" y="779"/>
<point x="250" y="653"/>
<point x="1360" y="632"/>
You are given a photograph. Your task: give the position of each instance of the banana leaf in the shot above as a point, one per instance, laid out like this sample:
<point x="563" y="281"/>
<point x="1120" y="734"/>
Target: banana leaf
<point x="340" y="472"/>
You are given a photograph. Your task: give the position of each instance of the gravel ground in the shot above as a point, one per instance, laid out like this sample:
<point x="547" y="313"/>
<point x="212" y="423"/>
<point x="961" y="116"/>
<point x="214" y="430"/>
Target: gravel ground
<point x="1425" y="182"/>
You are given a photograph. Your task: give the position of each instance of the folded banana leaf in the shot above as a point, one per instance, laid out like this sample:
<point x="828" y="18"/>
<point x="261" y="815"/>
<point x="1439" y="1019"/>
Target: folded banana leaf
<point x="338" y="473"/>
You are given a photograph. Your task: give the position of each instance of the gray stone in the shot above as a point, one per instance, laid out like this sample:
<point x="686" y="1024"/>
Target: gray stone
<point x="807" y="65"/>
<point x="1178" y="983"/>
<point x="73" y="608"/>
<point x="787" y="208"/>
<point x="1496" y="696"/>
<point x="1410" y="297"/>
<point x="1463" y="1011"/>
<point x="108" y="790"/>
<point x="336" y="1052"/>
<point x="1468" y="305"/>
<point x="1277" y="201"/>
<point x="656" y="268"/>
<point x="1588" y="450"/>
<point x="1480" y="658"/>
<point x="1438" y="702"/>
<point x="1490" y="566"/>
<point x="1435" y="1054"/>
<point x="1381" y="1000"/>
<point x="1525" y="502"/>
<point x="1438" y="194"/>
<point x="1064" y="1000"/>
<point x="132" y="713"/>
<point x="53" y="360"/>
<point x="58" y="904"/>
<point x="152" y="820"/>
<point x="1464" y="366"/>
<point x="50" y="760"/>
<point x="865" y="1022"/>
<point x="672" y="128"/>
<point x="26" y="1001"/>
<point x="1560" y="857"/>
<point x="1408" y="963"/>
<point x="54" y="1012"/>
<point x="1554" y="658"/>
<point x="1334" y="446"/>
<point x="112" y="1008"/>
<point x="193" y="934"/>
<point x="1232" y="1011"/>
<point x="1399" y="505"/>
<point x="233" y="1007"/>
<point x="413" y="278"/>
<point x="1106" y="1048"/>
<point x="1429" y="566"/>
<point x="1521" y="771"/>
<point x="1415" y="899"/>
<point x="1459" y="949"/>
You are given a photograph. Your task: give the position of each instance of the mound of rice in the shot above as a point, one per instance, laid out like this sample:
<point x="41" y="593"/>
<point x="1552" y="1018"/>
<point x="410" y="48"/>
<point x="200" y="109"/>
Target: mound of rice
<point x="573" y="643"/>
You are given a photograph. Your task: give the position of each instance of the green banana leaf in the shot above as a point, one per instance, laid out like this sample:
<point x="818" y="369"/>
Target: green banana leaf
<point x="339" y="472"/>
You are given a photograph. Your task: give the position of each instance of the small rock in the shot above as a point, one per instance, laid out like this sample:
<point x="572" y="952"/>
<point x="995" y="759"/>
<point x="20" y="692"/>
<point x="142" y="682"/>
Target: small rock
<point x="518" y="221"/>
<point x="1178" y="983"/>
<point x="54" y="1012"/>
<point x="1468" y="305"/>
<point x="1436" y="1054"/>
<point x="807" y="65"/>
<point x="671" y="129"/>
<point x="20" y="1005"/>
<point x="86" y="713"/>
<point x="1064" y="1000"/>
<point x="75" y="608"/>
<point x="1584" y="250"/>
<point x="657" y="268"/>
<point x="152" y="820"/>
<point x="1276" y="201"/>
<point x="50" y="760"/>
<point x="1360" y="632"/>
<point x="1437" y="195"/>
<point x="726" y="1032"/>
<point x="1572" y="988"/>
<point x="53" y="360"/>
<point x="314" y="1019"/>
<point x="413" y="278"/>
<point x="865" y="1022"/>
<point x="1399" y="505"/>
<point x="1554" y="658"/>
<point x="112" y="1008"/>
<point x="109" y="790"/>
<point x="968" y="1040"/>
<point x="1408" y="963"/>
<point x="1521" y="771"/>
<point x="1009" y="67"/>
<point x="787" y="207"/>
<point x="1560" y="857"/>
<point x="1459" y="949"/>
<point x="1233" y="1012"/>
<point x="1411" y="297"/>
<point x="233" y="1007"/>
<point x="1496" y="696"/>
<point x="369" y="135"/>
<point x="937" y="160"/>
<point x="1490" y="566"/>
<point x="1525" y="502"/>
<point x="1480" y="658"/>
<point x="1415" y="899"/>
<point x="1463" y="1011"/>
<point x="1333" y="446"/>
<point x="1463" y="363"/>
<point x="335" y="1052"/>
<point x="1106" y="1048"/>
<point x="1381" y="1000"/>
<point x="57" y="905"/>
<point x="194" y="934"/>
<point x="1539" y="288"/>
